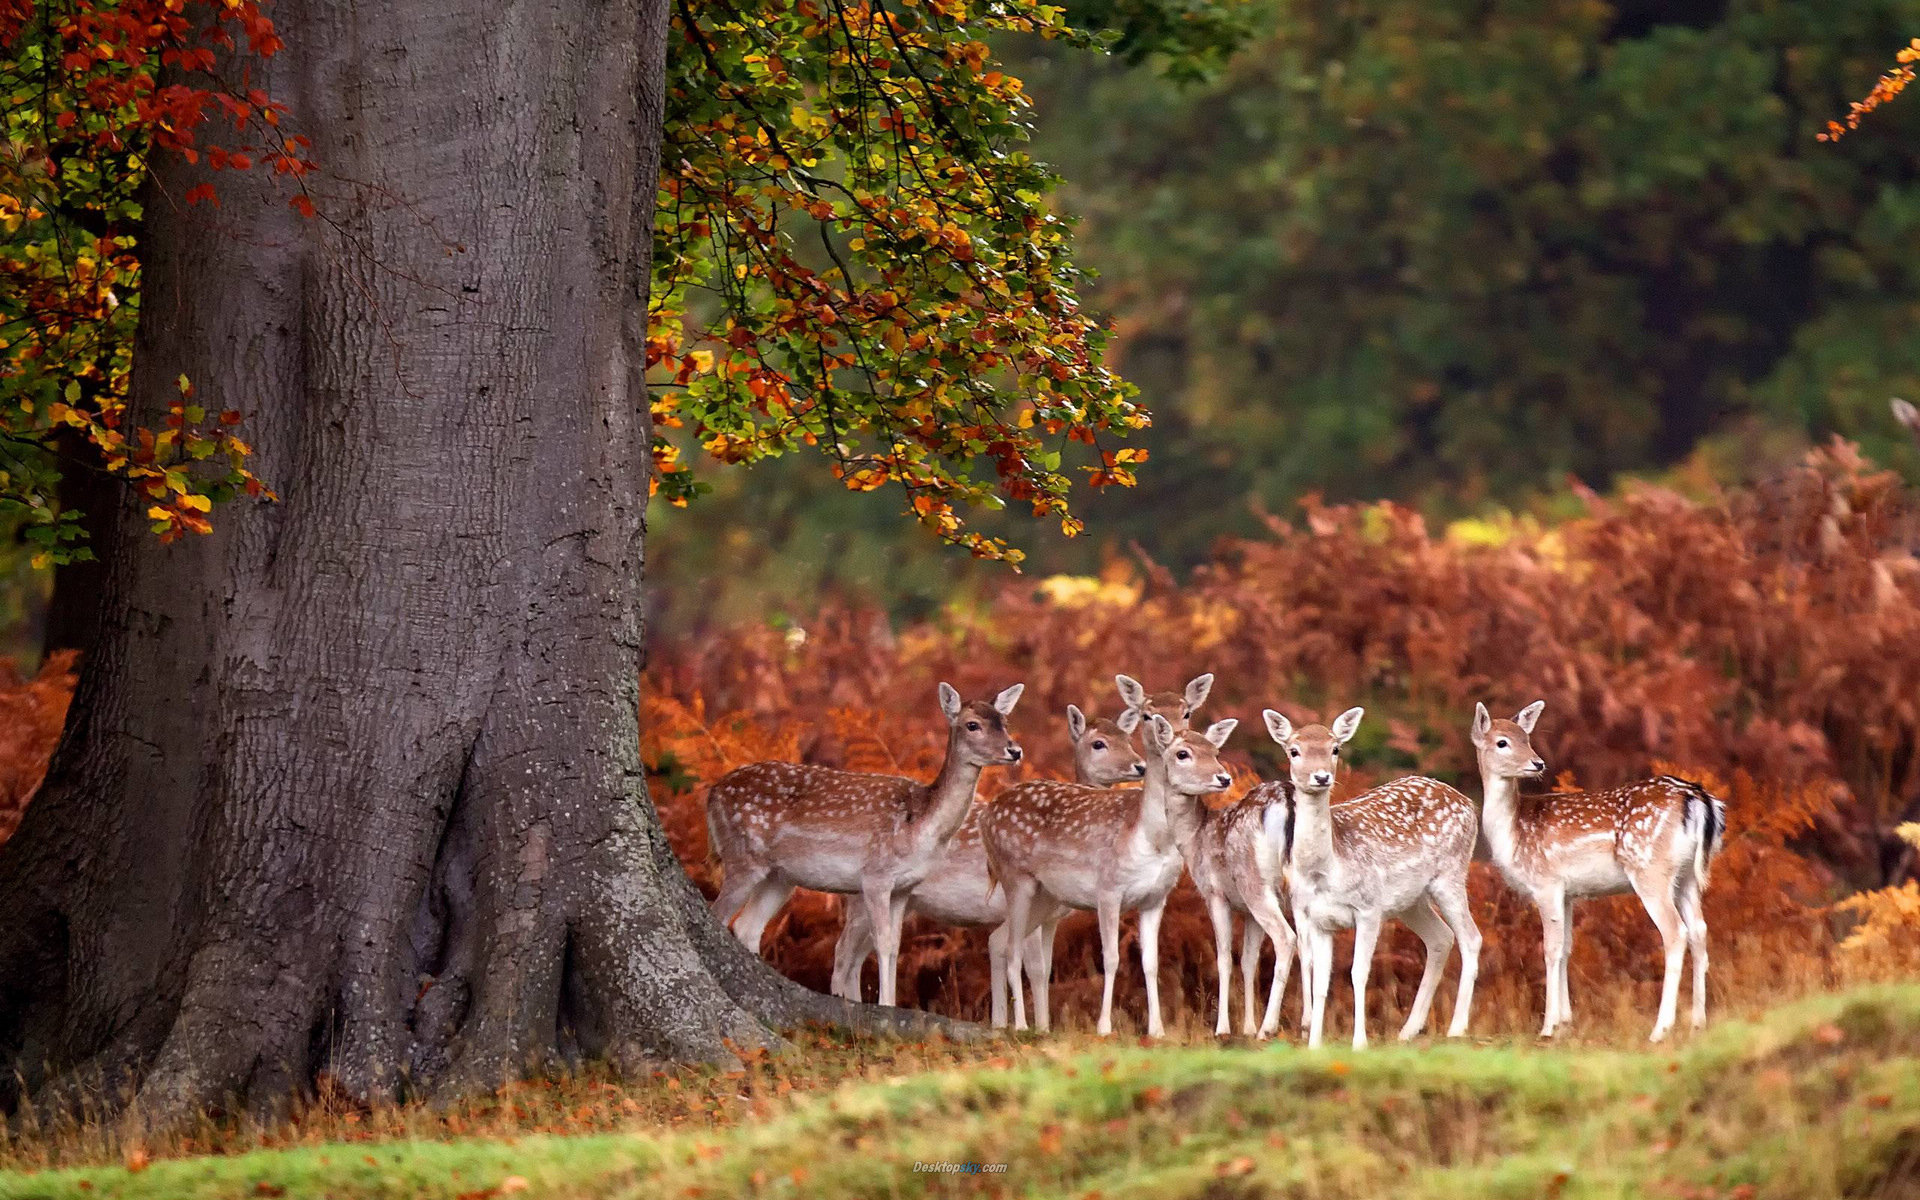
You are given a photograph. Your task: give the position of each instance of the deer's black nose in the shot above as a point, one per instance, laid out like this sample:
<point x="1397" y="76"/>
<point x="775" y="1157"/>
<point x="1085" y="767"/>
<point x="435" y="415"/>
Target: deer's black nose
<point x="1139" y="770"/>
<point x="1539" y="764"/>
<point x="1322" y="778"/>
<point x="1013" y="752"/>
<point x="1223" y="780"/>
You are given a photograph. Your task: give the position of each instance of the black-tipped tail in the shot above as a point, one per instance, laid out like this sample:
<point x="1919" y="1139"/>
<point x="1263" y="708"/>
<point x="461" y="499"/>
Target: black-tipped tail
<point x="1706" y="820"/>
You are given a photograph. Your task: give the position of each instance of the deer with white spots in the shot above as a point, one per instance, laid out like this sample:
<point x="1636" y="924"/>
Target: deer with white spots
<point x="958" y="891"/>
<point x="1061" y="846"/>
<point x="1237" y="857"/>
<point x="1656" y="838"/>
<point x="778" y="825"/>
<point x="1178" y="708"/>
<point x="1400" y="850"/>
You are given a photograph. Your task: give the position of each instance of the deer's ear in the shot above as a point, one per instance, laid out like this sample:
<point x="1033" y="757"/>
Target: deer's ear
<point x="1528" y="715"/>
<point x="1131" y="693"/>
<point x="949" y="701"/>
<point x="1278" y="727"/>
<point x="1220" y="731"/>
<point x="1347" y="724"/>
<point x="1159" y="734"/>
<point x="1905" y="413"/>
<point x="1482" y="723"/>
<point x="1197" y="690"/>
<point x="1004" y="702"/>
<point x="1128" y="721"/>
<point x="1076" y="723"/>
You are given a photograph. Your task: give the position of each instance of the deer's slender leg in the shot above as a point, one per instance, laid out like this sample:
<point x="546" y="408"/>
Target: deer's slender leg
<point x="1322" y="976"/>
<point x="877" y="890"/>
<point x="1150" y="964"/>
<point x="1252" y="936"/>
<point x="1221" y="914"/>
<point x="1652" y="889"/>
<point x="1553" y="931"/>
<point x="1366" y="934"/>
<point x="1450" y="895"/>
<point x="851" y="950"/>
<point x="1047" y="932"/>
<point x="1040" y="972"/>
<point x="1264" y="915"/>
<point x="1019" y="905"/>
<point x="997" y="975"/>
<point x="1108" y="911"/>
<point x="1421" y="918"/>
<point x="1303" y="931"/>
<point x="735" y="890"/>
<point x="768" y="898"/>
<point x="1566" y="958"/>
<point x="1691" y="912"/>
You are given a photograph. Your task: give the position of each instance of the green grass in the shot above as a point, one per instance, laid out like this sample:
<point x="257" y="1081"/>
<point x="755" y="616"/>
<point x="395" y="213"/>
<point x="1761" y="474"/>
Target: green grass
<point x="1817" y="1099"/>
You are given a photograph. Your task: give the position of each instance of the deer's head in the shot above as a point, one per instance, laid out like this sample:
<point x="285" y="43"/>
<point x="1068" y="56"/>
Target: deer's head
<point x="978" y="728"/>
<point x="1103" y="752"/>
<point x="1192" y="760"/>
<point x="1177" y="707"/>
<point x="1505" y="748"/>
<point x="1313" y="751"/>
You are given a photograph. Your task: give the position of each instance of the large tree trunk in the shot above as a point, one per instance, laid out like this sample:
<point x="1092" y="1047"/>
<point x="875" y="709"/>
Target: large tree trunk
<point x="354" y="784"/>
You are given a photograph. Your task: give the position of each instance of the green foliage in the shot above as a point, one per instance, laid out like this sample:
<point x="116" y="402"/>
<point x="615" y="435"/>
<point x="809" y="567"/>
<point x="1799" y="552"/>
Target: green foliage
<point x="1187" y="39"/>
<point x="855" y="255"/>
<point x="1451" y="253"/>
<point x="1469" y="249"/>
<point x="85" y="111"/>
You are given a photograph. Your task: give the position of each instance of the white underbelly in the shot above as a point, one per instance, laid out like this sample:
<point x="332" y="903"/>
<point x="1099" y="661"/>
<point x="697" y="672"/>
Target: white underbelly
<point x="822" y="863"/>
<point x="1595" y="876"/>
<point x="959" y="898"/>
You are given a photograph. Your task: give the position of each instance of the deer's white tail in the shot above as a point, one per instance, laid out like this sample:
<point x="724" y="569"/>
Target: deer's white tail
<point x="1276" y="840"/>
<point x="1706" y="821"/>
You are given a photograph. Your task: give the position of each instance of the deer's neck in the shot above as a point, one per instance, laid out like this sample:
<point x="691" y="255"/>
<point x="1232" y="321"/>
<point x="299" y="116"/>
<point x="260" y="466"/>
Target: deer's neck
<point x="950" y="794"/>
<point x="1312" y="831"/>
<point x="1154" y="825"/>
<point x="1185" y="815"/>
<point x="1499" y="815"/>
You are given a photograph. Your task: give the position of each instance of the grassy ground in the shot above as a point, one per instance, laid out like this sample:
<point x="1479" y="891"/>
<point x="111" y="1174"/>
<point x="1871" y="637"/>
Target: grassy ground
<point x="1820" y="1098"/>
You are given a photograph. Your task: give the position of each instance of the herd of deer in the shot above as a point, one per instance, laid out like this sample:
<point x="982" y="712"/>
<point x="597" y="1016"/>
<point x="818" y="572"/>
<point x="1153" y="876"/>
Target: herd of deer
<point x="1043" y="848"/>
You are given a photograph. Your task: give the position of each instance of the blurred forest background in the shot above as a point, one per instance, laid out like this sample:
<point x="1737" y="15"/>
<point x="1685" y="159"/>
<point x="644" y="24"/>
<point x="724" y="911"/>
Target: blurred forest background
<point x="1452" y="253"/>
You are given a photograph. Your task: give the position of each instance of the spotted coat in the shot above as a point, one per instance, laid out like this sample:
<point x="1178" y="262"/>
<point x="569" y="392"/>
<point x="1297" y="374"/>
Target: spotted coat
<point x="957" y="889"/>
<point x="1656" y="838"/>
<point x="1236" y="856"/>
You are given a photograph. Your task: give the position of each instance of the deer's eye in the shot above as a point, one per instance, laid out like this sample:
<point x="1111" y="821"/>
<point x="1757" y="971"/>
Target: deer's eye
<point x="1294" y="753"/>
<point x="1336" y="752"/>
<point x="1502" y="743"/>
<point x="1099" y="745"/>
<point x="1183" y="756"/>
<point x="973" y="727"/>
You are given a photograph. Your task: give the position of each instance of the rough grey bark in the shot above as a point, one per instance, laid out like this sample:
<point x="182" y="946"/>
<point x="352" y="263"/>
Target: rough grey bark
<point x="354" y="784"/>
